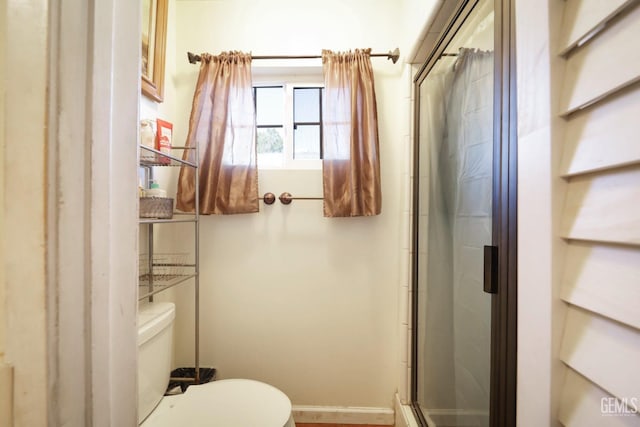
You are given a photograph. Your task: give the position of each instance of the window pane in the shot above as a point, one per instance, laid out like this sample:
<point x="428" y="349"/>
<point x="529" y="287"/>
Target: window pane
<point x="270" y="146"/>
<point x="269" y="105"/>
<point x="306" y="142"/>
<point x="306" y="102"/>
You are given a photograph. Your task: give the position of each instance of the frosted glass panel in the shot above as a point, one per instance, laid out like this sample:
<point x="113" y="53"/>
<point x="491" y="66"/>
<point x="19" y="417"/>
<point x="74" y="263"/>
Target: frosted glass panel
<point x="306" y="142"/>
<point x="269" y="106"/>
<point x="306" y="103"/>
<point x="455" y="158"/>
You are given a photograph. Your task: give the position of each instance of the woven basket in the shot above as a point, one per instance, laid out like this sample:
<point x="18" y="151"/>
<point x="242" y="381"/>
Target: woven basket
<point x="156" y="207"/>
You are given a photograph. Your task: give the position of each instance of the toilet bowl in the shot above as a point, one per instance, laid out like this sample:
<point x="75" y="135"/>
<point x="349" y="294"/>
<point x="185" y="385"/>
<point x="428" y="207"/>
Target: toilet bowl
<point x="228" y="403"/>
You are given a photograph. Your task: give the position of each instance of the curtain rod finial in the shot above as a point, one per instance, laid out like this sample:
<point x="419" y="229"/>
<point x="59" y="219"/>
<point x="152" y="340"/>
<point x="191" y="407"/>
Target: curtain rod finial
<point x="393" y="56"/>
<point x="193" y="58"/>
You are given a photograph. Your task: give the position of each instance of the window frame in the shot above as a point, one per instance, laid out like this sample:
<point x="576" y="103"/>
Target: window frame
<point x="318" y="123"/>
<point x="268" y="125"/>
<point x="288" y="85"/>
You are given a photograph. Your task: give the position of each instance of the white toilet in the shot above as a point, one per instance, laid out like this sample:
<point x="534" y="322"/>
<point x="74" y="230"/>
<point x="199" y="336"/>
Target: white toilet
<point x="228" y="403"/>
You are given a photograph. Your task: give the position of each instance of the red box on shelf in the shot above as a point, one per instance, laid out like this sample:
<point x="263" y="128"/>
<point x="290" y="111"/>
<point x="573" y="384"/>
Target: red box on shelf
<point x="164" y="136"/>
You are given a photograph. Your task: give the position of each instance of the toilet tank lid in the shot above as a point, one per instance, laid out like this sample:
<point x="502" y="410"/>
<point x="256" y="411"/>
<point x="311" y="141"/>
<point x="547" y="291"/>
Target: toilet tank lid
<point x="153" y="318"/>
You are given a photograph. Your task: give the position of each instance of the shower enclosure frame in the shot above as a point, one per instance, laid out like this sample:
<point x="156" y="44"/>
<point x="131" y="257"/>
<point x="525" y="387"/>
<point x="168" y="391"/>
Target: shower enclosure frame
<point x="502" y="407"/>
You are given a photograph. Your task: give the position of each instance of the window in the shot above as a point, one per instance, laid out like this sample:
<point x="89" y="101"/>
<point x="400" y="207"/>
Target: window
<point x="307" y="123"/>
<point x="270" y="125"/>
<point x="289" y="126"/>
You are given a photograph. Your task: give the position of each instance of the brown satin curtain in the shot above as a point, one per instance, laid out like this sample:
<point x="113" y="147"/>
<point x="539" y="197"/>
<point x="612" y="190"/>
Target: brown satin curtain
<point x="351" y="162"/>
<point x="222" y="124"/>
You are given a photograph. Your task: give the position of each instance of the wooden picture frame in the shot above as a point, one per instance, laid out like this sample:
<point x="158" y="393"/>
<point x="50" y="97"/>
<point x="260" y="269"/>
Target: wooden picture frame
<point x="154" y="34"/>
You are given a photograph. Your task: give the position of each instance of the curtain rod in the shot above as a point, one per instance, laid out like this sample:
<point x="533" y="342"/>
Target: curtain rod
<point x="392" y="55"/>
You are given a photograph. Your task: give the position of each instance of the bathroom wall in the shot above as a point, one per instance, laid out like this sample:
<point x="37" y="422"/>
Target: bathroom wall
<point x="306" y="303"/>
<point x="165" y="110"/>
<point x="539" y="198"/>
<point x="415" y="16"/>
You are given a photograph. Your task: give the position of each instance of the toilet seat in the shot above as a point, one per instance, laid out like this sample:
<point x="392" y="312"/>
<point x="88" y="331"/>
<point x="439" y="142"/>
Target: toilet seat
<point x="228" y="403"/>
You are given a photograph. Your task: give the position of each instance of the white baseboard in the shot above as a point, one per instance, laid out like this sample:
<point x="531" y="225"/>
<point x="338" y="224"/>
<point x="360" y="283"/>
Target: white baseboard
<point x="343" y="415"/>
<point x="404" y="414"/>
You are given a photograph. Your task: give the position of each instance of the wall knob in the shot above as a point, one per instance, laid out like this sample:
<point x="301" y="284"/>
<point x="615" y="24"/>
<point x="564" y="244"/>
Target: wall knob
<point x="269" y="198"/>
<point x="285" y="198"/>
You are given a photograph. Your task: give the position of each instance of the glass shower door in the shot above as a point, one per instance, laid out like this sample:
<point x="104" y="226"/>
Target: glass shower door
<point x="455" y="169"/>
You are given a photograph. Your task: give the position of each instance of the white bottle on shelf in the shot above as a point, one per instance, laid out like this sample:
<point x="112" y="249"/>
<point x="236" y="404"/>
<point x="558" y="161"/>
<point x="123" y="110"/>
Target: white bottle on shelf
<point x="154" y="190"/>
<point x="147" y="135"/>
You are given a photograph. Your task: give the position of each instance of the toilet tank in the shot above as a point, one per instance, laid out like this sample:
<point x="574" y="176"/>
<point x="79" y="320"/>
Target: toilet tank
<point x="155" y="341"/>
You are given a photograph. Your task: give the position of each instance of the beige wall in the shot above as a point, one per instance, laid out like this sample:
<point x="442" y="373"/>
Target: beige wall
<point x="305" y="303"/>
<point x="415" y="15"/>
<point x="540" y="194"/>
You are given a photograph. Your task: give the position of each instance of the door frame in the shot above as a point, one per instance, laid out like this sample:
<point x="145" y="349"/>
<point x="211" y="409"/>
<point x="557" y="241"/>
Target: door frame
<point x="504" y="310"/>
<point x="91" y="224"/>
<point x="504" y="232"/>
